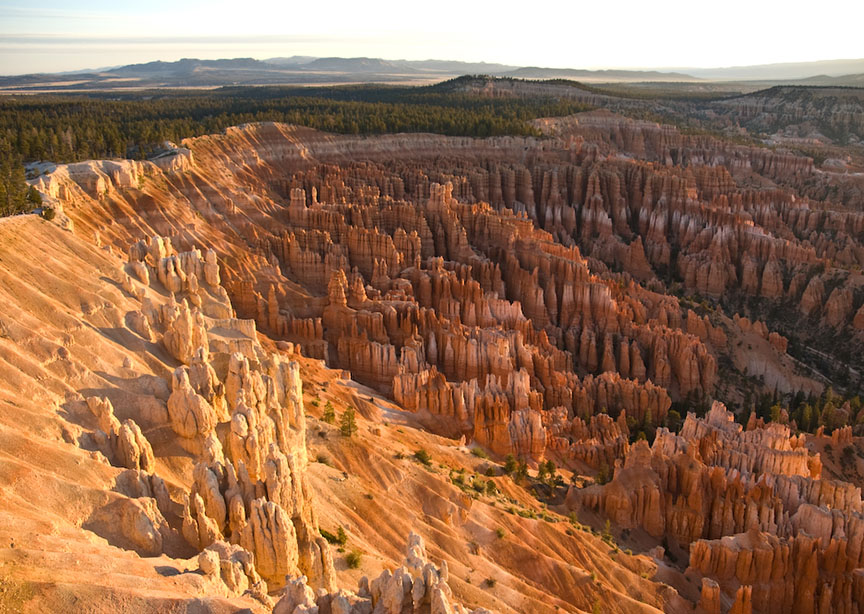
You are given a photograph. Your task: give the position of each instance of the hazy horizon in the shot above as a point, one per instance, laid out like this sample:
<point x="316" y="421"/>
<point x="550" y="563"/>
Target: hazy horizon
<point x="168" y="56"/>
<point x="667" y="36"/>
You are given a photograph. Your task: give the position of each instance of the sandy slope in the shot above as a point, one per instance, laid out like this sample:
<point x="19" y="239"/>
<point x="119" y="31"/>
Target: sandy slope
<point x="63" y="337"/>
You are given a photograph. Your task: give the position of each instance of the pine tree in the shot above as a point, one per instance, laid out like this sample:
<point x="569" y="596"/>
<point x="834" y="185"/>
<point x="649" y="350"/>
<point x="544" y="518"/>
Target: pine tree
<point x="521" y="471"/>
<point x="542" y="471"/>
<point x="13" y="184"/>
<point x="33" y="196"/>
<point x="806" y="417"/>
<point x="603" y="474"/>
<point x="551" y="470"/>
<point x="673" y="420"/>
<point x="510" y="464"/>
<point x="829" y="416"/>
<point x="329" y="415"/>
<point x="775" y="412"/>
<point x="348" y="422"/>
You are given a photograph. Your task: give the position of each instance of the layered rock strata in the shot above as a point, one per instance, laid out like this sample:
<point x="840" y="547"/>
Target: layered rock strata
<point x="752" y="509"/>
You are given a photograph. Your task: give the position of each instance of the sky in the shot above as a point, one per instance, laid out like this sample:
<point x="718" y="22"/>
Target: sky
<point x="55" y="36"/>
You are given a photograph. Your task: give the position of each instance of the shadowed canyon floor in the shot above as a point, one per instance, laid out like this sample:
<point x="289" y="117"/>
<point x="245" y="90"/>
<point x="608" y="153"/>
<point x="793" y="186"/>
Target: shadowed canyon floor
<point x="184" y="345"/>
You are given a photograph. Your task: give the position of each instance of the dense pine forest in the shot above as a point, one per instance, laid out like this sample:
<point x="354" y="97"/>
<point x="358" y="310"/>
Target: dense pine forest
<point x="72" y="128"/>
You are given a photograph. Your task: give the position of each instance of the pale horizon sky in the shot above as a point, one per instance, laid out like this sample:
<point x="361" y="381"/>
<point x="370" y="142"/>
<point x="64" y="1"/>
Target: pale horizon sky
<point x="56" y="36"/>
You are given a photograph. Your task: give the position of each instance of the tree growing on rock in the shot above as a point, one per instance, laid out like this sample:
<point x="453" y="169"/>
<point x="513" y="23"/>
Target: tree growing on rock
<point x="603" y="474"/>
<point x="547" y="471"/>
<point x="510" y="464"/>
<point x="348" y="422"/>
<point x="329" y="415"/>
<point x="13" y="185"/>
<point x="521" y="472"/>
<point x="33" y="196"/>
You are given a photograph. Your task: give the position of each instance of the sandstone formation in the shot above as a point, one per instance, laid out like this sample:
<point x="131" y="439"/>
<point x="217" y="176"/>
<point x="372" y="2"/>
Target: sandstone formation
<point x="125" y="443"/>
<point x="248" y="486"/>
<point x="484" y="296"/>
<point x="553" y="299"/>
<point x="753" y="509"/>
<point x="417" y="586"/>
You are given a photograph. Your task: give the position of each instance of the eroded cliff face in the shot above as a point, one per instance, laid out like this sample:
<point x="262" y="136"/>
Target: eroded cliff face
<point x="212" y="451"/>
<point x="417" y="586"/>
<point x="514" y="292"/>
<point x="761" y="524"/>
<point x="156" y="456"/>
<point x="463" y="311"/>
<point x="494" y="246"/>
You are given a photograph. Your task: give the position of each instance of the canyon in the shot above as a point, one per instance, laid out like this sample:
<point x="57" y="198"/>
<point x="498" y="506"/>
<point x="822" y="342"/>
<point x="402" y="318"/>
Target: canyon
<point x="182" y="342"/>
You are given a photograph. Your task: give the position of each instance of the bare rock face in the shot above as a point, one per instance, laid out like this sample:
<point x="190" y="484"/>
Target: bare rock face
<point x="597" y="443"/>
<point x="176" y="271"/>
<point x="133" y="449"/>
<point x="270" y="516"/>
<point x="192" y="417"/>
<point x="743" y="601"/>
<point x="231" y="572"/>
<point x="104" y="411"/>
<point x="709" y="602"/>
<point x="205" y="383"/>
<point x="761" y="525"/>
<point x="443" y="328"/>
<point x="132" y="523"/>
<point x="772" y="280"/>
<point x="249" y="508"/>
<point x="858" y="320"/>
<point x="688" y="488"/>
<point x="124" y="443"/>
<point x="447" y="284"/>
<point x="527" y="434"/>
<point x="185" y="331"/>
<point x="143" y="525"/>
<point x="199" y="529"/>
<point x="514" y="292"/>
<point x="211" y="269"/>
<point x="838" y="309"/>
<point x="297" y="596"/>
<point x="269" y="533"/>
<point x="813" y="297"/>
<point x="417" y="586"/>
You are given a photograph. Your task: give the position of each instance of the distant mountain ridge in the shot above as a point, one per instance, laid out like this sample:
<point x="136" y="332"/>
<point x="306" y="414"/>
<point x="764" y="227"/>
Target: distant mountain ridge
<point x="533" y="72"/>
<point x="357" y="65"/>
<point x="781" y="71"/>
<point x="188" y="65"/>
<point x="308" y="70"/>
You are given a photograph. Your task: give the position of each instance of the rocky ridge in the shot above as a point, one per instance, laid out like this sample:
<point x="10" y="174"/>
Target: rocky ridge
<point x="159" y="473"/>
<point x="762" y="526"/>
<point x="514" y="292"/>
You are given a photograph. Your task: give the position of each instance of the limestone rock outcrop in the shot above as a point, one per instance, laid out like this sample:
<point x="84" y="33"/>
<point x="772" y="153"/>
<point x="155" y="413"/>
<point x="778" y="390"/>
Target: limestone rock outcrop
<point x="192" y="417"/>
<point x="233" y="569"/>
<point x="761" y="525"/>
<point x="238" y="409"/>
<point x="124" y="443"/>
<point x="538" y="297"/>
<point x="417" y="586"/>
<point x="435" y="288"/>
